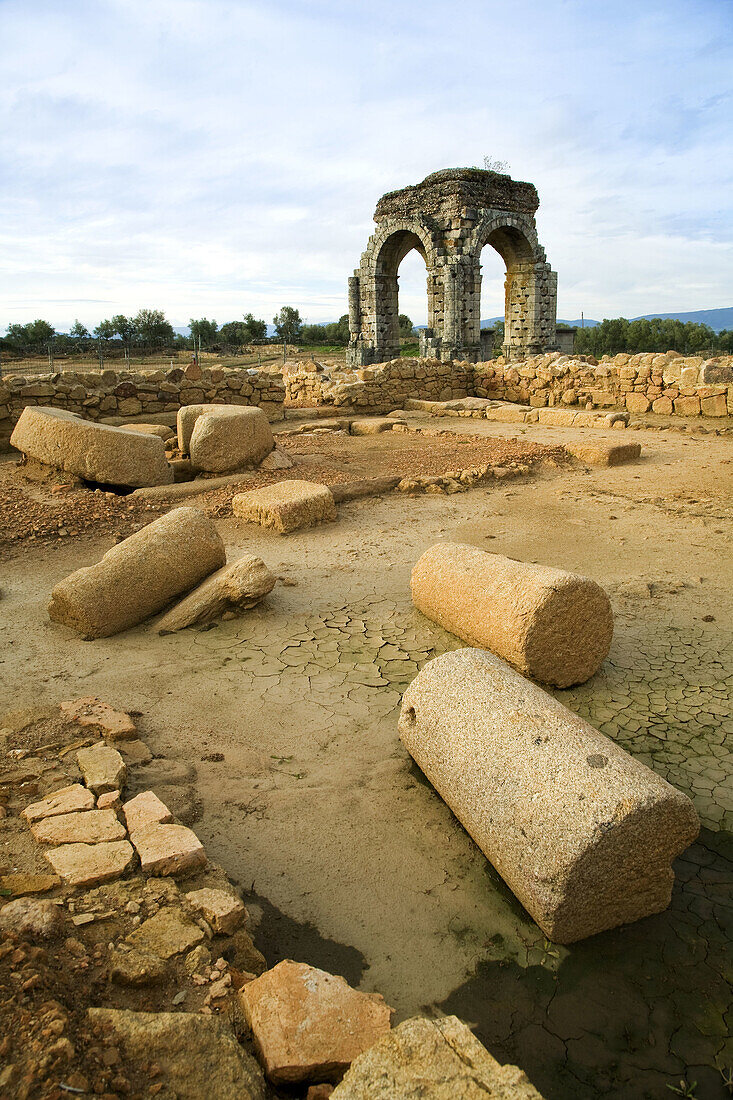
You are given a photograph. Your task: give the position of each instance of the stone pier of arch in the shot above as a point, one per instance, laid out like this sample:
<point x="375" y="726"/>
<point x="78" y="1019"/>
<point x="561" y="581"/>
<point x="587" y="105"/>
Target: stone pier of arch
<point x="448" y="218"/>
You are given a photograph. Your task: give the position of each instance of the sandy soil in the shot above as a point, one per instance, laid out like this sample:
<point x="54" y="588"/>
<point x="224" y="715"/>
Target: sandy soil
<point x="348" y="856"/>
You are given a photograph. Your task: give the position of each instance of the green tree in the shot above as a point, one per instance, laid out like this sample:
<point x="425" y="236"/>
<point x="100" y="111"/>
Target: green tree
<point x="125" y="328"/>
<point x="406" y="325"/>
<point x="105" y="330"/>
<point x="204" y="330"/>
<point x="233" y="334"/>
<point x="33" y="333"/>
<point x="255" y="330"/>
<point x="78" y="331"/>
<point x="288" y="325"/>
<point x="152" y="329"/>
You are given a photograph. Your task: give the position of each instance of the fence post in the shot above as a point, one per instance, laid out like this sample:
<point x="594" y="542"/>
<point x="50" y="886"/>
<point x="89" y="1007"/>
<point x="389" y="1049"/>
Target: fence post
<point x="101" y="356"/>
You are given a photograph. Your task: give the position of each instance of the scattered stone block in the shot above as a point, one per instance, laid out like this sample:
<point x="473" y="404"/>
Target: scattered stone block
<point x="89" y="827"/>
<point x="438" y="1059"/>
<point x="238" y="586"/>
<point x="374" y="425"/>
<point x="168" y="849"/>
<point x="287" y="506"/>
<point x="186" y="422"/>
<point x="199" y="1056"/>
<point x="309" y="1025"/>
<point x="110" y="800"/>
<point x="91" y="864"/>
<point x="93" y="451"/>
<point x="604" y="454"/>
<point x="139" y="575"/>
<point x="64" y="801"/>
<point x="34" y="917"/>
<point x="115" y="724"/>
<point x="133" y="967"/>
<point x="364" y="487"/>
<point x="549" y="624"/>
<point x="228" y="438"/>
<point x="582" y="832"/>
<point x="163" y="431"/>
<point x="277" y="460"/>
<point x="145" y="809"/>
<point x="20" y="884"/>
<point x="102" y="767"/>
<point x="224" y="912"/>
<point x="166" y="934"/>
<point x="134" y="752"/>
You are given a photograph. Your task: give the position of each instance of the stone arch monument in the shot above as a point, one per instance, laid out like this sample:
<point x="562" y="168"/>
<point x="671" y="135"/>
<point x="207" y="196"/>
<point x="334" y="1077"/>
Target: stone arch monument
<point x="448" y="218"/>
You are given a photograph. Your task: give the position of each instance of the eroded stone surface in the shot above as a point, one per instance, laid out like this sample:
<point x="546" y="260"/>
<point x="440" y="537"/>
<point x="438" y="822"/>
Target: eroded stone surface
<point x="116" y="725"/>
<point x="91" y="864"/>
<point x="286" y="506"/>
<point x="199" y="1056"/>
<point x="102" y="767"/>
<point x="223" y="911"/>
<point x="237" y="586"/>
<point x="436" y="1059"/>
<point x="549" y="624"/>
<point x="309" y="1025"/>
<point x="139" y="575"/>
<point x="32" y="917"/>
<point x="64" y="801"/>
<point x="582" y="832"/>
<point x="166" y="934"/>
<point x="604" y="454"/>
<point x="229" y="438"/>
<point x="89" y="827"/>
<point x="145" y="809"/>
<point x="168" y="849"/>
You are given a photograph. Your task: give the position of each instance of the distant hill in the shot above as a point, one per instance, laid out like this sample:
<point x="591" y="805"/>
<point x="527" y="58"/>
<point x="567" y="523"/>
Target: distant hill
<point x="718" y="319"/>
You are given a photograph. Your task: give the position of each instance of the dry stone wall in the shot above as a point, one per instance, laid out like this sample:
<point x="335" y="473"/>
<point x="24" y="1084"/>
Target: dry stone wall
<point x="667" y="384"/>
<point x="97" y="395"/>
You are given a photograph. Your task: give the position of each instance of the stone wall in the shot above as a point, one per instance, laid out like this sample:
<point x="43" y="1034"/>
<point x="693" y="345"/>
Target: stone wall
<point x="378" y="389"/>
<point x="668" y="384"/>
<point x="96" y="395"/>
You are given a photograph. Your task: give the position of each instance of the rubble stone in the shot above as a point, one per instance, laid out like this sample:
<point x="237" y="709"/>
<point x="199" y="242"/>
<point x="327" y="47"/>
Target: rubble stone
<point x="145" y="809"/>
<point x="166" y="934"/>
<point x="91" y="864"/>
<point x="168" y="849"/>
<point x="89" y="827"/>
<point x="374" y="425"/>
<point x="436" y="1059"/>
<point x="229" y="438"/>
<point x="32" y="917"/>
<point x="582" y="832"/>
<point x="102" y="767"/>
<point x="309" y="1025"/>
<point x="93" y="451"/>
<point x="116" y="725"/>
<point x="64" y="801"/>
<point x="139" y="575"/>
<point x="20" y="884"/>
<point x="286" y="506"/>
<point x="135" y="967"/>
<point x="223" y="911"/>
<point x="549" y="624"/>
<point x="240" y="585"/>
<point x="199" y="1056"/>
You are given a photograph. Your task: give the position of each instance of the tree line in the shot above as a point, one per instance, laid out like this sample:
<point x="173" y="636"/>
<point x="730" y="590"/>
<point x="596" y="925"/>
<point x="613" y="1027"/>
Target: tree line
<point x="659" y="334"/>
<point x="149" y="329"/>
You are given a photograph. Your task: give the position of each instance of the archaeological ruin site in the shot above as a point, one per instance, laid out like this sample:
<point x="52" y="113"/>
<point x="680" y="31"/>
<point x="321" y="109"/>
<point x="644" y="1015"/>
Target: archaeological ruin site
<point x="366" y="726"/>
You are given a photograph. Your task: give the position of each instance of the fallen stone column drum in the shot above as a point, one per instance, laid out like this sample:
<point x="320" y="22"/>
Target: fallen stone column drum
<point x="549" y="624"/>
<point x="582" y="832"/>
<point x="140" y="575"/>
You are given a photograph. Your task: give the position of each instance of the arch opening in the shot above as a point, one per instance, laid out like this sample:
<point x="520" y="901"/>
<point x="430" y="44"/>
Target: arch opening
<point x="402" y="287"/>
<point x="492" y="270"/>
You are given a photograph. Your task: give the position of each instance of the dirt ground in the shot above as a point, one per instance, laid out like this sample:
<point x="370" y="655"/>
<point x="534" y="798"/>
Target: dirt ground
<point x="347" y="858"/>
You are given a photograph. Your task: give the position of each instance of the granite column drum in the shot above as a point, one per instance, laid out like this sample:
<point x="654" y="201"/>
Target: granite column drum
<point x="549" y="624"/>
<point x="580" y="831"/>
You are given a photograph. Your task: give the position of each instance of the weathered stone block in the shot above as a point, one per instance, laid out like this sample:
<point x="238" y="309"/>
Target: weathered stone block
<point x="582" y="832"/>
<point x="286" y="506"/>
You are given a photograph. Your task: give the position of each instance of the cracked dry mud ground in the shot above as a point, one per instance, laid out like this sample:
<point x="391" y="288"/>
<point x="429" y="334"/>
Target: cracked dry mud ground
<point x="354" y="861"/>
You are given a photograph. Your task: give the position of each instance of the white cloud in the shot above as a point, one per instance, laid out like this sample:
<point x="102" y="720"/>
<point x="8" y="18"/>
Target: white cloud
<point x="210" y="157"/>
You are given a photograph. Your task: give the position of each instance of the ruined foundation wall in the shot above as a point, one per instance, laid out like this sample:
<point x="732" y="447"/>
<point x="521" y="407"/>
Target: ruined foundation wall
<point x="668" y="384"/>
<point x="99" y="394"/>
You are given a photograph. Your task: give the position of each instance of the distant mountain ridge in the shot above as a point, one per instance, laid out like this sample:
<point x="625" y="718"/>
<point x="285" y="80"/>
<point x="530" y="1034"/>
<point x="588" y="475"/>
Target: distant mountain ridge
<point x="718" y="319"/>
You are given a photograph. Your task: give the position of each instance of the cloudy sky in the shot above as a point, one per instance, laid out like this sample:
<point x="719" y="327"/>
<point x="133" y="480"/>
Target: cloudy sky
<point x="213" y="157"/>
